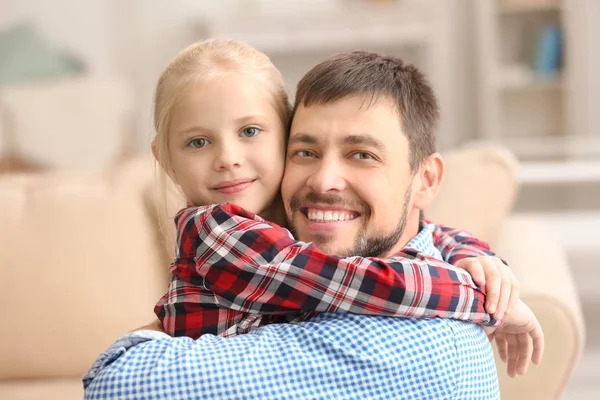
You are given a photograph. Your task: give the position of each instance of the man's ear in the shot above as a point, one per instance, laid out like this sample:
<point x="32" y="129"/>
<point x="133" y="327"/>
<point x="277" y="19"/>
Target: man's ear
<point x="169" y="171"/>
<point x="428" y="181"/>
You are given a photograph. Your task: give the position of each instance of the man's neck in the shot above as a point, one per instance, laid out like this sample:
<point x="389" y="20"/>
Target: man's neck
<point x="413" y="227"/>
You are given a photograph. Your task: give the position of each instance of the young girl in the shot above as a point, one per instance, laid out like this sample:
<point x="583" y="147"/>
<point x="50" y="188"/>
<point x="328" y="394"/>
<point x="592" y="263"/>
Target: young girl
<point x="221" y="118"/>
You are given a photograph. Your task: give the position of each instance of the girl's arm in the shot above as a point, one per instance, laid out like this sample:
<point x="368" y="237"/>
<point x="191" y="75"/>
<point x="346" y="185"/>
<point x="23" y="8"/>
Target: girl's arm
<point x="456" y="244"/>
<point x="255" y="267"/>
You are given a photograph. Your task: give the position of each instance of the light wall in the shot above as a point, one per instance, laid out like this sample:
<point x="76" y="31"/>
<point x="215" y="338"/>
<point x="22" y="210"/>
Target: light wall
<point x="136" y="38"/>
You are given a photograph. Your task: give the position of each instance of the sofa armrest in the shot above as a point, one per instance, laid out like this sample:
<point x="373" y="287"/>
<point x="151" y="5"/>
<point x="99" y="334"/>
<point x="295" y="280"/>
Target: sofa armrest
<point x="547" y="286"/>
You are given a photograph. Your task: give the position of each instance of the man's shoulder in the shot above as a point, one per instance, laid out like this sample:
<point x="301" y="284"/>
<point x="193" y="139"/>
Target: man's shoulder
<point x="423" y="241"/>
<point x="433" y="326"/>
<point x="431" y="358"/>
<point x="437" y="332"/>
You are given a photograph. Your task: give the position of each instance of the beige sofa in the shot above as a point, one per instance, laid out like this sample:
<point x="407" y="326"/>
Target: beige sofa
<point x="82" y="261"/>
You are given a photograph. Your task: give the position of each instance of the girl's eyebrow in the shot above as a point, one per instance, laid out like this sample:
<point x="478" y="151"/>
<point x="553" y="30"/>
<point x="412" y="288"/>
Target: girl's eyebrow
<point x="238" y="121"/>
<point x="249" y="118"/>
<point x="193" y="129"/>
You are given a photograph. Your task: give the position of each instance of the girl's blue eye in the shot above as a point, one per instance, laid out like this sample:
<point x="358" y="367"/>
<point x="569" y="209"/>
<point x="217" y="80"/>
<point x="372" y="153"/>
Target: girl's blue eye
<point x="198" y="143"/>
<point x="251" y="131"/>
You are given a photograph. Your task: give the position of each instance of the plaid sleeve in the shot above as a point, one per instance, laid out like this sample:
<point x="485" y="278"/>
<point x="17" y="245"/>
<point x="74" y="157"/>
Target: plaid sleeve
<point x="189" y="308"/>
<point x="257" y="267"/>
<point x="456" y="244"/>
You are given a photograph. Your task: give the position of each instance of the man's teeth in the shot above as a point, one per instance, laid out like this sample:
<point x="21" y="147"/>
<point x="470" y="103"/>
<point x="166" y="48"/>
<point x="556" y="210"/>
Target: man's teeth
<point x="319" y="215"/>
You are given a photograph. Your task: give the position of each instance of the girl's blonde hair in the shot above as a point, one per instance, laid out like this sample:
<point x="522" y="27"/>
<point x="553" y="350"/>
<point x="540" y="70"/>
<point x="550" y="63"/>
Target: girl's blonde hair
<point x="199" y="63"/>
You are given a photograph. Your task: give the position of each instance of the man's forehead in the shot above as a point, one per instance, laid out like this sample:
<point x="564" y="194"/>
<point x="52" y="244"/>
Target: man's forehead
<point x="359" y="102"/>
<point x="352" y="120"/>
<point x="353" y="106"/>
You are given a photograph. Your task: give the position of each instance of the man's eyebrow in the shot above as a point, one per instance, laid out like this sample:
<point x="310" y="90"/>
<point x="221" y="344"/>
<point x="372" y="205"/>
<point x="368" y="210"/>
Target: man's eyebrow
<point x="300" y="137"/>
<point x="364" y="139"/>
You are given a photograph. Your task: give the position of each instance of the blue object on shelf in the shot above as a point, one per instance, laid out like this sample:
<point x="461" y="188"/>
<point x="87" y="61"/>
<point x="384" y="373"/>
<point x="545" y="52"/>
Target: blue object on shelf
<point x="549" y="54"/>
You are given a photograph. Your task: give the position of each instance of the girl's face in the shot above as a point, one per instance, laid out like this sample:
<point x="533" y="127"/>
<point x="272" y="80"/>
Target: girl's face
<point x="227" y="143"/>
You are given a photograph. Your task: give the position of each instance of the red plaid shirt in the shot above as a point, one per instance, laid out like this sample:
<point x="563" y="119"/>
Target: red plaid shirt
<point x="234" y="271"/>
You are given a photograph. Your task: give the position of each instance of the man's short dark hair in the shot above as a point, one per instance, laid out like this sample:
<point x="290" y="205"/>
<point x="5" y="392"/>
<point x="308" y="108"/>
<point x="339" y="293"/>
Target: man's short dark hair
<point x="378" y="77"/>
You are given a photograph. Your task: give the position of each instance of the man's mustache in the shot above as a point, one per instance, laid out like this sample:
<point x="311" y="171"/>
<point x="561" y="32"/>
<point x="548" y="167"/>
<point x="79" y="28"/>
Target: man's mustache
<point x="297" y="201"/>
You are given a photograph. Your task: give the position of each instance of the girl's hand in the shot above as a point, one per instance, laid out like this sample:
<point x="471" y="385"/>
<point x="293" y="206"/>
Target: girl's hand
<point x="520" y="340"/>
<point x="501" y="286"/>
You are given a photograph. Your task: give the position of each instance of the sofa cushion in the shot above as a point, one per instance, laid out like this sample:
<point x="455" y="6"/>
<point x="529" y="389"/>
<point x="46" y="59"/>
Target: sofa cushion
<point x="63" y="389"/>
<point x="478" y="190"/>
<point x="79" y="266"/>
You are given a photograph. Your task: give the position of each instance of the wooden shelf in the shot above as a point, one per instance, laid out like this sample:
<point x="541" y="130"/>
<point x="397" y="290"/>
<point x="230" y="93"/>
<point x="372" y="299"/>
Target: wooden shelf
<point x="553" y="147"/>
<point x="323" y="38"/>
<point x="559" y="172"/>
<point x="531" y="83"/>
<point x="520" y="106"/>
<point x="576" y="230"/>
<point x="351" y="26"/>
<point x="515" y="7"/>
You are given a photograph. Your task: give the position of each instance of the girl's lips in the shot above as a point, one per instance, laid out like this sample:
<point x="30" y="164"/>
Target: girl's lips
<point x="236" y="186"/>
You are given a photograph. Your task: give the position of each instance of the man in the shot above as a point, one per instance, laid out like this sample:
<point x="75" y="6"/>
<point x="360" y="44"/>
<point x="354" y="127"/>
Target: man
<point x="361" y="146"/>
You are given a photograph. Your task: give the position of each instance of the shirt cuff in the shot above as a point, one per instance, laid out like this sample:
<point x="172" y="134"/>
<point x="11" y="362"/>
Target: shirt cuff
<point x="117" y="349"/>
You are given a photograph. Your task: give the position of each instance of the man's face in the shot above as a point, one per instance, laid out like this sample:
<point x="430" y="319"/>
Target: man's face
<point x="347" y="185"/>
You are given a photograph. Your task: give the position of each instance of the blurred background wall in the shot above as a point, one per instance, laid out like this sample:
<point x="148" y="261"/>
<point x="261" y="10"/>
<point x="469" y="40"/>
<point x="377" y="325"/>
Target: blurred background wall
<point x="134" y="39"/>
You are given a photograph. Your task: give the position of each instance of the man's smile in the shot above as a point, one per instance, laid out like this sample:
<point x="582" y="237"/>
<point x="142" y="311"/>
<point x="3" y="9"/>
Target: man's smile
<point x="325" y="220"/>
<point x="329" y="215"/>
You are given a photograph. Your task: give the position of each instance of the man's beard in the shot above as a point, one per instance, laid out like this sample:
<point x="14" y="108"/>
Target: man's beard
<point x="365" y="245"/>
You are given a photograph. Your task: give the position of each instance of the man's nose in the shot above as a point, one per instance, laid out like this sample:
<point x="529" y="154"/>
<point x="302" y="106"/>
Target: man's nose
<point x="228" y="156"/>
<point x="327" y="176"/>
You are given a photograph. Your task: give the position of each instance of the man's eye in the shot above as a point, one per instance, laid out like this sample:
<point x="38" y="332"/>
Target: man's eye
<point x="198" y="143"/>
<point x="250" y="131"/>
<point x="362" y="156"/>
<point x="304" y="153"/>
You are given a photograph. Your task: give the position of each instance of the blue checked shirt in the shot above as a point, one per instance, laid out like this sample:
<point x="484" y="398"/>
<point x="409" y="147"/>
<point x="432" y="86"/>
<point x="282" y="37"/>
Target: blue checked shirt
<point x="332" y="356"/>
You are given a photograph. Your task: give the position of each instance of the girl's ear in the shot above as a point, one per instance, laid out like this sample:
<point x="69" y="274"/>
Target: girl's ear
<point x="169" y="171"/>
<point x="430" y="176"/>
<point x="154" y="150"/>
